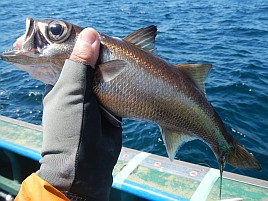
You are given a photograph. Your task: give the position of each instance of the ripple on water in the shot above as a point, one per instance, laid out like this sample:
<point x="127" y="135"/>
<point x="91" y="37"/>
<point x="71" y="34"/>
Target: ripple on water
<point x="189" y="31"/>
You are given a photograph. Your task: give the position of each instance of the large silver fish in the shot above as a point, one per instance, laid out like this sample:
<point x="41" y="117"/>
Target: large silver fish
<point x="132" y="82"/>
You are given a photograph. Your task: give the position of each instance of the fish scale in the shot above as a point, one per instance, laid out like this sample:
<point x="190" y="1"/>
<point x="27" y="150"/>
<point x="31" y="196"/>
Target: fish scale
<point x="144" y="86"/>
<point x="165" y="94"/>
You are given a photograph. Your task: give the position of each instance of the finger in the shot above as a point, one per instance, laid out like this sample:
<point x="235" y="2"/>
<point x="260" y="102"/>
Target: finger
<point x="86" y="49"/>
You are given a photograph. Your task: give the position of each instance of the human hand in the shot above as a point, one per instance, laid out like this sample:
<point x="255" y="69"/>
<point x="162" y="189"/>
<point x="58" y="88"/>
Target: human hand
<point x="80" y="147"/>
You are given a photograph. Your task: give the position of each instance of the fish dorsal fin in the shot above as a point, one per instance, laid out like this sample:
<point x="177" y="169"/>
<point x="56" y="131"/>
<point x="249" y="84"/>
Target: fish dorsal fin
<point x="111" y="69"/>
<point x="111" y="118"/>
<point x="197" y="72"/>
<point x="143" y="38"/>
<point x="174" y="140"/>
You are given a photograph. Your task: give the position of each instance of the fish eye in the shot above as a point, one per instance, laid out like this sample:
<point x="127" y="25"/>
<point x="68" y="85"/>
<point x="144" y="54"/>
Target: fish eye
<point x="55" y="29"/>
<point x="58" y="31"/>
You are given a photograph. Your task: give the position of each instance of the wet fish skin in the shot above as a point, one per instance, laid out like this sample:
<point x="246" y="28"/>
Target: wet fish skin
<point x="164" y="94"/>
<point x="132" y="82"/>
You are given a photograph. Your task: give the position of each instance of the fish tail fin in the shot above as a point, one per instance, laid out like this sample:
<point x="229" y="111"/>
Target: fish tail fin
<point x="241" y="158"/>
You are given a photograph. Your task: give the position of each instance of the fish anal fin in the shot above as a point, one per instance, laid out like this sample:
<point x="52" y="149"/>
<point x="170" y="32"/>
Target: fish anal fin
<point x="174" y="140"/>
<point x="111" y="69"/>
<point x="197" y="72"/>
<point x="143" y="38"/>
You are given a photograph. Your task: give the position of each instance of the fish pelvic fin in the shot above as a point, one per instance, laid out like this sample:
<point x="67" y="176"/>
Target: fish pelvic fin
<point x="174" y="140"/>
<point x="115" y="121"/>
<point x="143" y="38"/>
<point x="197" y="72"/>
<point x="241" y="158"/>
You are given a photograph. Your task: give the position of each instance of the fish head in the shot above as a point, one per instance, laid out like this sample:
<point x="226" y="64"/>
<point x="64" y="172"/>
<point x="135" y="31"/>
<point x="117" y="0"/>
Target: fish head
<point x="43" y="49"/>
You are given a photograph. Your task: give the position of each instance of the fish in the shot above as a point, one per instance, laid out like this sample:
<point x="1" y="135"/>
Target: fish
<point x="132" y="81"/>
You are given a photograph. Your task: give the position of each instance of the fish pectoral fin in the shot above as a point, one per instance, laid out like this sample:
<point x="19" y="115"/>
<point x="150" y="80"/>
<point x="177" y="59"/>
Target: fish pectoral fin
<point x="111" y="118"/>
<point x="111" y="69"/>
<point x="197" y="72"/>
<point x="143" y="38"/>
<point x="174" y="140"/>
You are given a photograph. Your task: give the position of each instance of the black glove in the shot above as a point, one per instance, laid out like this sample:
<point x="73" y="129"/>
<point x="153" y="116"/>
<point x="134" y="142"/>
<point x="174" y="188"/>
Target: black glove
<point x="80" y="147"/>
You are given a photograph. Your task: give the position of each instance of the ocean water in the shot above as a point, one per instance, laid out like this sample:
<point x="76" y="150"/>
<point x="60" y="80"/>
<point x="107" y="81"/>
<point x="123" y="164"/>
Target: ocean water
<point x="232" y="35"/>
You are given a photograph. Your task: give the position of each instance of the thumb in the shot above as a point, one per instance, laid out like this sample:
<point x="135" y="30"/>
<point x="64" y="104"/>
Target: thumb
<point x="86" y="49"/>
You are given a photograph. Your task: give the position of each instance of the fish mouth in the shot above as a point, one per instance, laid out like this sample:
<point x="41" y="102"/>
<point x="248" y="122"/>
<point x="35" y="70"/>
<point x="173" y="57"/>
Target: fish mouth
<point x="31" y="44"/>
<point x="34" y="41"/>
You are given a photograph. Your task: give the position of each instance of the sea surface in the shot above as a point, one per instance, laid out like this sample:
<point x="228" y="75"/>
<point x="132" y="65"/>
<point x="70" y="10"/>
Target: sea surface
<point x="231" y="34"/>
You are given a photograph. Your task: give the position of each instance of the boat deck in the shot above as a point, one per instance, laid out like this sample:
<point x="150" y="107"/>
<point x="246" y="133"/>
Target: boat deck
<point x="137" y="175"/>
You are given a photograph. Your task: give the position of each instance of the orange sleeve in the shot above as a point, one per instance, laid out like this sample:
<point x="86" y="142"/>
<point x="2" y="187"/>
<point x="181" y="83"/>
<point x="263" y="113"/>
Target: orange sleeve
<point x="35" y="188"/>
